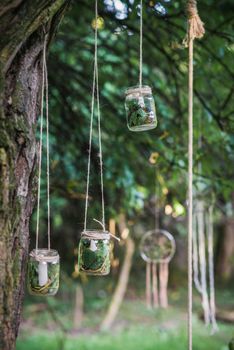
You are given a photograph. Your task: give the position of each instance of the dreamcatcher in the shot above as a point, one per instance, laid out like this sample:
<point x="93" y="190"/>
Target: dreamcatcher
<point x="157" y="248"/>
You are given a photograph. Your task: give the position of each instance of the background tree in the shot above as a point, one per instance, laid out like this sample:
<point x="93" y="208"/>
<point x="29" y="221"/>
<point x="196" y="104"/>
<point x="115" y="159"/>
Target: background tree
<point x="23" y="27"/>
<point x="129" y="180"/>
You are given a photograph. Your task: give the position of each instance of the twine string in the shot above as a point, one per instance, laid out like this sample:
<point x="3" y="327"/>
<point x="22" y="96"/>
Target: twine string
<point x="47" y="149"/>
<point x="141" y="44"/>
<point x="44" y="95"/>
<point x="95" y="85"/>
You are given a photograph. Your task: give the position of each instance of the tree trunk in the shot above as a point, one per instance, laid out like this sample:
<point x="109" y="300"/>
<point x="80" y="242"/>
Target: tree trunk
<point x="225" y="260"/>
<point x="122" y="282"/>
<point x="79" y="308"/>
<point x="21" y="42"/>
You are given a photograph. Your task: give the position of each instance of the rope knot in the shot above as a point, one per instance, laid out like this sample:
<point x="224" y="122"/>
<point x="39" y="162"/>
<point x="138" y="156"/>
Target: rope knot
<point x="195" y="25"/>
<point x="192" y="9"/>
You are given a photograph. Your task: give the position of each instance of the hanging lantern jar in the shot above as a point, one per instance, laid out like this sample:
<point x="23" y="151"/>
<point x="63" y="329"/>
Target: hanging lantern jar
<point x="43" y="272"/>
<point x="94" y="252"/>
<point x="43" y="264"/>
<point x="139" y="101"/>
<point x="140" y="108"/>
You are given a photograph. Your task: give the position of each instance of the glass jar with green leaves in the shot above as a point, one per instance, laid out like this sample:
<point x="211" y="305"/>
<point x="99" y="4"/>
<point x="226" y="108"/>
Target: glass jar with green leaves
<point x="94" y="252"/>
<point x="140" y="108"/>
<point x="43" y="272"/>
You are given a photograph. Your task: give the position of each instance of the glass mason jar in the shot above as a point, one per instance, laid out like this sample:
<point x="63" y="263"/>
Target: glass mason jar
<point x="43" y="272"/>
<point x="94" y="252"/>
<point x="140" y="108"/>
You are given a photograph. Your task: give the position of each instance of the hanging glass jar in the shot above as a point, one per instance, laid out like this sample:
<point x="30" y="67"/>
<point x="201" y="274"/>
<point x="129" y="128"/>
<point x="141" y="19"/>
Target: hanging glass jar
<point x="43" y="272"/>
<point x="140" y="108"/>
<point x="94" y="252"/>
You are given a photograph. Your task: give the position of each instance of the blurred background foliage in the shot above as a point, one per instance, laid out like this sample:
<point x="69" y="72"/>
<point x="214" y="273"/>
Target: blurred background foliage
<point x="130" y="180"/>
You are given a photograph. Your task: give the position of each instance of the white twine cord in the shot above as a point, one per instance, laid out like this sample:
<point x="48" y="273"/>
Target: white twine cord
<point x="95" y="84"/>
<point x="141" y="41"/>
<point x="202" y="260"/>
<point x="44" y="87"/>
<point x="211" y="270"/>
<point x="195" y="257"/>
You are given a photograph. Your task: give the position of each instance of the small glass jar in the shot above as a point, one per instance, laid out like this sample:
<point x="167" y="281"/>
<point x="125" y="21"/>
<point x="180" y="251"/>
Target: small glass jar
<point x="43" y="272"/>
<point x="140" y="108"/>
<point x="94" y="252"/>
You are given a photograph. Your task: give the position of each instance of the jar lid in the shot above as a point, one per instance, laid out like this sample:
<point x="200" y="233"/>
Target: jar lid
<point x="144" y="89"/>
<point x="44" y="254"/>
<point x="95" y="234"/>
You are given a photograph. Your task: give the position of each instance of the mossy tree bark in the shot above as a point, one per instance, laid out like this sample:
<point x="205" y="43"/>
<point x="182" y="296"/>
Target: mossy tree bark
<point x="22" y="30"/>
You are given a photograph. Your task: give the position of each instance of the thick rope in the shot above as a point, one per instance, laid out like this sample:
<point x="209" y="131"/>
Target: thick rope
<point x="141" y="44"/>
<point x="95" y="84"/>
<point x="195" y="30"/>
<point x="40" y="147"/>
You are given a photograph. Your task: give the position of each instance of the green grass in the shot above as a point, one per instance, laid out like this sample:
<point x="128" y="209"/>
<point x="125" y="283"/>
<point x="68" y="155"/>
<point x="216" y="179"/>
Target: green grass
<point x="132" y="338"/>
<point x="135" y="328"/>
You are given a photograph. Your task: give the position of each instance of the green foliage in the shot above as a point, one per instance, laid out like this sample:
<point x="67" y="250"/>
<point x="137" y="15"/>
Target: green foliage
<point x="96" y="262"/>
<point x="129" y="180"/>
<point x="136" y="114"/>
<point x="231" y="345"/>
<point x="52" y="285"/>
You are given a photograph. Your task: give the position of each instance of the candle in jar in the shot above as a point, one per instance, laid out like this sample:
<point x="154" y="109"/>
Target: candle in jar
<point x="42" y="273"/>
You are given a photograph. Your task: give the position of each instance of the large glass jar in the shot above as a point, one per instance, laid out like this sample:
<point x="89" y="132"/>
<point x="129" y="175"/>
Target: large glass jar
<point x="140" y="108"/>
<point x="94" y="252"/>
<point x="43" y="272"/>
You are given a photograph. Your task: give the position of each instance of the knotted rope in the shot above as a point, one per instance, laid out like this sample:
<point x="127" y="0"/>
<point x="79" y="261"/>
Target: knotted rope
<point x="195" y="30"/>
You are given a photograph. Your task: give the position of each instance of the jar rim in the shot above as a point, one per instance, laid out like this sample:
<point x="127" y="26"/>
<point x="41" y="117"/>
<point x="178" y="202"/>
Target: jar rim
<point x="95" y="234"/>
<point x="45" y="254"/>
<point x="138" y="89"/>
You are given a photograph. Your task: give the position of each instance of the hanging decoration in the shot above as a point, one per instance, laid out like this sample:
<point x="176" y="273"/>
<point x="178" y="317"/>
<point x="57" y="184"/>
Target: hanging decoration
<point x="94" y="246"/>
<point x="94" y="252"/>
<point x="157" y="248"/>
<point x="202" y="238"/>
<point x="139" y="101"/>
<point x="195" y="30"/>
<point x="43" y="265"/>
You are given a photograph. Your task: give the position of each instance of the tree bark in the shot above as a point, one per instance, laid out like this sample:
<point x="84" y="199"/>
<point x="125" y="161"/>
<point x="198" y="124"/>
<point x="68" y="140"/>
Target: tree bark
<point x="226" y="251"/>
<point x="23" y="26"/>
